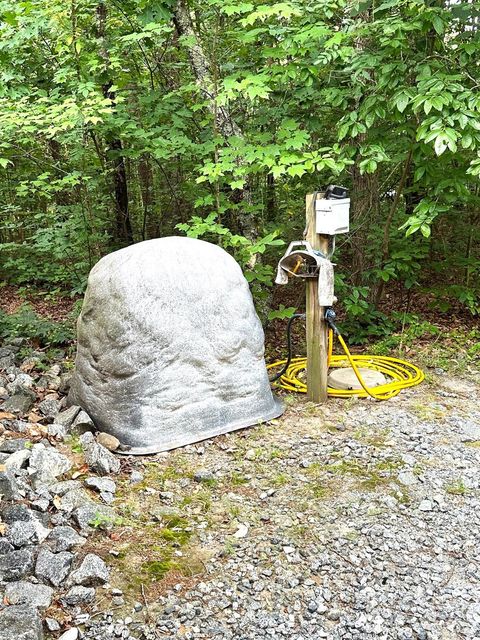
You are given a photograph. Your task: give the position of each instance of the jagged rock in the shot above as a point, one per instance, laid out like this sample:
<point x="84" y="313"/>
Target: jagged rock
<point x="20" y="623"/>
<point x="64" y="538"/>
<point x="97" y="457"/>
<point x="7" y="357"/>
<point x="20" y="426"/>
<point x="46" y="464"/>
<point x="17" y="460"/>
<point x="61" y="488"/>
<point x="78" y="595"/>
<point x="14" y="512"/>
<point x="21" y="402"/>
<point x="34" y="595"/>
<point x="83" y="423"/>
<point x="8" y="485"/>
<point x="75" y="499"/>
<point x="52" y="624"/>
<point x="470" y="431"/>
<point x="57" y="431"/>
<point x="170" y="348"/>
<point x="16" y="565"/>
<point x="95" y="515"/>
<point x="66" y="418"/>
<point x="53" y="567"/>
<point x="21" y="380"/>
<point x="49" y="407"/>
<point x="51" y="378"/>
<point x="5" y="547"/>
<point x="10" y="445"/>
<point x="92" y="572"/>
<point x="23" y="533"/>
<point x="41" y="504"/>
<point x="101" y="484"/>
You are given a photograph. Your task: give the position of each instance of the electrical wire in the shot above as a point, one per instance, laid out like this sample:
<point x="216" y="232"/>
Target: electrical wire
<point x="401" y="374"/>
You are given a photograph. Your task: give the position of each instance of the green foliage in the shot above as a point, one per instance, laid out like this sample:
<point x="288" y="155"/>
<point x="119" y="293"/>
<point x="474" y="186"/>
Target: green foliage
<point x="25" y="323"/>
<point x="292" y="96"/>
<point x="281" y="313"/>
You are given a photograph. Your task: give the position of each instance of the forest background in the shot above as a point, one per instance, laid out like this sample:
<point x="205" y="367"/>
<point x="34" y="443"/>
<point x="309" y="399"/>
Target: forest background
<point x="124" y="120"/>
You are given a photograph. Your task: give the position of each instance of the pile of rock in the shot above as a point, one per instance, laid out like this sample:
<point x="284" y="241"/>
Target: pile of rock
<point x="47" y="513"/>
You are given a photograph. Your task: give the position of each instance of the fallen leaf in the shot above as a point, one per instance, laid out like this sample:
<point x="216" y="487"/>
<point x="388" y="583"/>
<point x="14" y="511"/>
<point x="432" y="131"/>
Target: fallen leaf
<point x="57" y="501"/>
<point x="4" y="415"/>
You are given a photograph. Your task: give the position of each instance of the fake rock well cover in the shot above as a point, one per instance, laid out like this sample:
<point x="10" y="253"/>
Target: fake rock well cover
<point x="170" y="349"/>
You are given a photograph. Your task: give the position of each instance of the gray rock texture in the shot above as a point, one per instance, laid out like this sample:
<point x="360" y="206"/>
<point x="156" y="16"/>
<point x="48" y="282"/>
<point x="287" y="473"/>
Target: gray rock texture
<point x="101" y="484"/>
<point x="79" y="595"/>
<point x="8" y="485"/>
<point x="67" y="417"/>
<point x="24" y="533"/>
<point x="98" y="457"/>
<point x="21" y="402"/>
<point x="46" y="464"/>
<point x="93" y="571"/>
<point x="15" y="565"/>
<point x="170" y="348"/>
<point x="53" y="567"/>
<point x="34" y="595"/>
<point x="64" y="538"/>
<point x="20" y="623"/>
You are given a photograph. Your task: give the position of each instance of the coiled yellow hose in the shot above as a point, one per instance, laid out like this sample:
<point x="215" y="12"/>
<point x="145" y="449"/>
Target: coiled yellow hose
<point x="402" y="374"/>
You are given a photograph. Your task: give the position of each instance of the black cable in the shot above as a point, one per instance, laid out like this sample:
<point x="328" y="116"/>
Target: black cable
<point x="289" y="346"/>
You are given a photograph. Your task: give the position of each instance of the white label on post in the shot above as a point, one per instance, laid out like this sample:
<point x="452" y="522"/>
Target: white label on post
<point x="332" y="216"/>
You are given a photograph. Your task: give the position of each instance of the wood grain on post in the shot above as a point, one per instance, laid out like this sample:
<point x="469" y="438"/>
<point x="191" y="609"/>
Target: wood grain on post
<point x="317" y="330"/>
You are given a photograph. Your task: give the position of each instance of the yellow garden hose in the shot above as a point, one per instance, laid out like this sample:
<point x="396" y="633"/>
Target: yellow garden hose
<point x="402" y="374"/>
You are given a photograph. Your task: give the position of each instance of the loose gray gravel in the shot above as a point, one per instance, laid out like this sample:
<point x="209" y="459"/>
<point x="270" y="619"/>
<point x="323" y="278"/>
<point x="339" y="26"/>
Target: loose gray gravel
<point x="356" y="520"/>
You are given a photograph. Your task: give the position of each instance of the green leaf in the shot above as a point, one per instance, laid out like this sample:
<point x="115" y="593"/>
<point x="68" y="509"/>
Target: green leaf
<point x="440" y="144"/>
<point x="438" y="24"/>
<point x="401" y="102"/>
<point x="425" y="230"/>
<point x="296" y="170"/>
<point x="233" y="9"/>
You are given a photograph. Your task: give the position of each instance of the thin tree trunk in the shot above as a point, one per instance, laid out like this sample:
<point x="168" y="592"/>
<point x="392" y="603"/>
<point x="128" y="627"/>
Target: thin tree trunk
<point x="223" y="120"/>
<point x="364" y="212"/>
<point x="388" y="223"/>
<point x="123" y="233"/>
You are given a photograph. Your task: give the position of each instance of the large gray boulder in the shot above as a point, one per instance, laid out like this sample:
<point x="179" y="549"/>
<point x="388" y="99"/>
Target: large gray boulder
<point x="170" y="348"/>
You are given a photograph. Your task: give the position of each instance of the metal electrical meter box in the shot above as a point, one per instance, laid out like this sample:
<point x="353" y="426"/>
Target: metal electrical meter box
<point x="332" y="216"/>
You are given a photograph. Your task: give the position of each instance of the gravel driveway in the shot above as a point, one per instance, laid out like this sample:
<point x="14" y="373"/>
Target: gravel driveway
<point x="356" y="520"/>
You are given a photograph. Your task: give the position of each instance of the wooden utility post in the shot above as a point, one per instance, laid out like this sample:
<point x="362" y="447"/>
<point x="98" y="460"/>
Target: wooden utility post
<point x="317" y="329"/>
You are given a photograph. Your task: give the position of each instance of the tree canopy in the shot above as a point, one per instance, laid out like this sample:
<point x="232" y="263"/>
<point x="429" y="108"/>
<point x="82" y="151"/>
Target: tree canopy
<point x="123" y="120"/>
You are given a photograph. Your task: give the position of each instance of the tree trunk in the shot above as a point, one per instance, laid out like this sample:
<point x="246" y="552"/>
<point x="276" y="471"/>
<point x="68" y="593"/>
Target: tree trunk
<point x="364" y="212"/>
<point x="123" y="233"/>
<point x="224" y="122"/>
